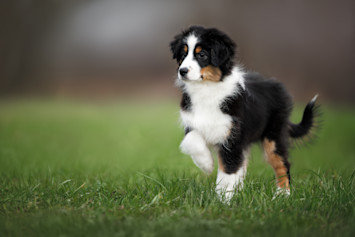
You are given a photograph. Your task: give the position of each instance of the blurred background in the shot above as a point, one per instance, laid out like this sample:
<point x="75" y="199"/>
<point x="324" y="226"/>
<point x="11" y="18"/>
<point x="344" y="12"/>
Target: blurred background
<point x="120" y="49"/>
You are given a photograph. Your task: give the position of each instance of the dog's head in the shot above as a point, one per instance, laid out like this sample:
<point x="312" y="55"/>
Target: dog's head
<point x="203" y="54"/>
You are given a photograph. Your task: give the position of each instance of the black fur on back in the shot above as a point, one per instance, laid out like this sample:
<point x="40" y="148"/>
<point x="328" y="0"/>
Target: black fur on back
<point x="262" y="111"/>
<point x="262" y="108"/>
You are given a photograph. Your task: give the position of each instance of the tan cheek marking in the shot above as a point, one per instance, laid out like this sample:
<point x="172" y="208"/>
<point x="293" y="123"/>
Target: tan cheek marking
<point x="185" y="48"/>
<point x="198" y="49"/>
<point x="276" y="162"/>
<point x="211" y="73"/>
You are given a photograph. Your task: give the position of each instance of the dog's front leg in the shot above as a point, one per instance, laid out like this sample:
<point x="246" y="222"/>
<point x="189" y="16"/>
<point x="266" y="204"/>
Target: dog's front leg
<point x="232" y="168"/>
<point x="195" y="146"/>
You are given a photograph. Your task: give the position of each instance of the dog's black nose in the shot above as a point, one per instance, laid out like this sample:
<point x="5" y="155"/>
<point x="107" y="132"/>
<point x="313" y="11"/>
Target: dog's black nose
<point x="183" y="71"/>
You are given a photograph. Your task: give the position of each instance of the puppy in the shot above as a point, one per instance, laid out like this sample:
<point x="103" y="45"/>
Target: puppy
<point x="226" y="108"/>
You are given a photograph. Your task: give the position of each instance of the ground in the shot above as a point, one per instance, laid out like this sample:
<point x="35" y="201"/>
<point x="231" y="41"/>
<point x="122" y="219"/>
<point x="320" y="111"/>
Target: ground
<point x="114" y="169"/>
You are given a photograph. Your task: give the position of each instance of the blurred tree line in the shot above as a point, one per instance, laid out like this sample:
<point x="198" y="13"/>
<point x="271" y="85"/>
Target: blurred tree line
<point x="54" y="47"/>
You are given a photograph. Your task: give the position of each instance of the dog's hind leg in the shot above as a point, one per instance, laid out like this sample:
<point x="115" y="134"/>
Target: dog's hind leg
<point x="195" y="146"/>
<point x="276" y="156"/>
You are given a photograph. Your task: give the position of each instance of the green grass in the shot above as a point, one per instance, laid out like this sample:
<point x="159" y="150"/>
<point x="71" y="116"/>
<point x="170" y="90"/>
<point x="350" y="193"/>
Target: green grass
<point x="75" y="169"/>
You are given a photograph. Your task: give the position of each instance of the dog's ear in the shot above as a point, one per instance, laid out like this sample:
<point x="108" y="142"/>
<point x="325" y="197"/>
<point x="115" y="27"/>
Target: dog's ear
<point x="222" y="47"/>
<point x="175" y="46"/>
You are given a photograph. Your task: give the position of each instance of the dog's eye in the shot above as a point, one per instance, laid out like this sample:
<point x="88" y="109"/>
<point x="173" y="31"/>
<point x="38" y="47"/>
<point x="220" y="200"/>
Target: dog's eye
<point x="202" y="56"/>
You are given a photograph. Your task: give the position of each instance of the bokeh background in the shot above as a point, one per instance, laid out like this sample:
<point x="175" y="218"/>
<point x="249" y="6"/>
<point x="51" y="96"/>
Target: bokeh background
<point x="118" y="49"/>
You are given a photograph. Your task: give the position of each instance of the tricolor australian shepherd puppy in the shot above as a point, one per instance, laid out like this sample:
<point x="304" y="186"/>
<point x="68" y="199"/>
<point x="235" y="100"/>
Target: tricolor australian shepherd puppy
<point x="226" y="108"/>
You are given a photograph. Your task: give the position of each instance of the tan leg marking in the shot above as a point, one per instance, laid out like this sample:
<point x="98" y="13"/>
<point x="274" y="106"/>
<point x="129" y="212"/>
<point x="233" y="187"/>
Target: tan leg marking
<point x="277" y="164"/>
<point x="211" y="73"/>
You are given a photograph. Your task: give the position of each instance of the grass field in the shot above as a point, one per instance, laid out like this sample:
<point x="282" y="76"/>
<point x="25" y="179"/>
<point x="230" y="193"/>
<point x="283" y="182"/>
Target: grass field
<point x="76" y="169"/>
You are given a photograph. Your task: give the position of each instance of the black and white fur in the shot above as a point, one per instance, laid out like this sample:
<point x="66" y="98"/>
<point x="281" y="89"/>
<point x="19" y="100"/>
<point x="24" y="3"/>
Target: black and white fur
<point x="226" y="108"/>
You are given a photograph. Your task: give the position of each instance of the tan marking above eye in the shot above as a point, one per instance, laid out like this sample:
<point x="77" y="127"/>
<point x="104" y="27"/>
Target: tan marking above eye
<point x="198" y="49"/>
<point x="185" y="48"/>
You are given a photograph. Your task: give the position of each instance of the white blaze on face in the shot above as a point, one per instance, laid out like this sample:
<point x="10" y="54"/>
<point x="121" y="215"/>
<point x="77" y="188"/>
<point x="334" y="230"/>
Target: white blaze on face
<point x="194" y="73"/>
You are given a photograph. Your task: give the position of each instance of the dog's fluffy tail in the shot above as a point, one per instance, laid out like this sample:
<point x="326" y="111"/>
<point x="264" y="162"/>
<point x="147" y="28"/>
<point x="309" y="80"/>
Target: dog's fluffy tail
<point x="308" y="120"/>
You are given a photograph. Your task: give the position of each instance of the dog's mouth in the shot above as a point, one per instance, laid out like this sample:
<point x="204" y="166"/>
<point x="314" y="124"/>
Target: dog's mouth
<point x="190" y="80"/>
<point x="186" y="79"/>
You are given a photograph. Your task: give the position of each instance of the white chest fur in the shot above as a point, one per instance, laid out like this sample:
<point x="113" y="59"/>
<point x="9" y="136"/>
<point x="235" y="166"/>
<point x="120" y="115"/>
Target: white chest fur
<point x="205" y="115"/>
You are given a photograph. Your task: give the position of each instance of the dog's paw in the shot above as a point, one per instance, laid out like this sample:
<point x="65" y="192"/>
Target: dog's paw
<point x="229" y="184"/>
<point x="195" y="146"/>
<point x="225" y="196"/>
<point x="204" y="162"/>
<point x="281" y="192"/>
